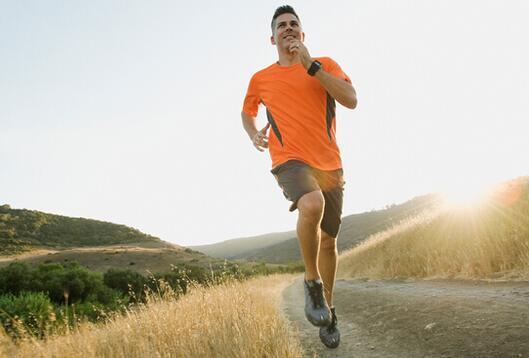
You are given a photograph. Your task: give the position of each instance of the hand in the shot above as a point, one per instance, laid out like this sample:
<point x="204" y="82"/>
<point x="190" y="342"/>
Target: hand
<point x="260" y="139"/>
<point x="297" y="47"/>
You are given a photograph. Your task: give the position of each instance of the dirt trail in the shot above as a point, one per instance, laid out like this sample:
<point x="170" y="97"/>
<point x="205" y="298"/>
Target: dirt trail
<point x="434" y="318"/>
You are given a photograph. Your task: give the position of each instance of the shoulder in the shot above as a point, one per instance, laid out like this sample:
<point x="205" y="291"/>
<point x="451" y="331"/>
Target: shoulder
<point x="323" y="59"/>
<point x="263" y="72"/>
<point x="326" y="60"/>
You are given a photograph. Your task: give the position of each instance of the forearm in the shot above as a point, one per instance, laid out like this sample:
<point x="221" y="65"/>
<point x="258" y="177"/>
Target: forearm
<point x="339" y="89"/>
<point x="248" y="123"/>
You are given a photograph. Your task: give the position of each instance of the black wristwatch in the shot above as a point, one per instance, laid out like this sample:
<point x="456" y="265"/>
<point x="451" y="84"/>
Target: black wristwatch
<point x="315" y="66"/>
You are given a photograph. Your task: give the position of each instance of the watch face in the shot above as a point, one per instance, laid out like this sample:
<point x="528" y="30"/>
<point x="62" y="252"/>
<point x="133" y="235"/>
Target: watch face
<point x="314" y="67"/>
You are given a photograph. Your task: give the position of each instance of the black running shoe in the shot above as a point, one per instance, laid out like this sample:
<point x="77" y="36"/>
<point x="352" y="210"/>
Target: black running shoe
<point x="330" y="335"/>
<point x="316" y="309"/>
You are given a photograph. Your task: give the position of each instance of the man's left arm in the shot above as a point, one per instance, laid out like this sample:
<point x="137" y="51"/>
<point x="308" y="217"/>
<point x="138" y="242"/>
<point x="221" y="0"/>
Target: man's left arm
<point x="339" y="89"/>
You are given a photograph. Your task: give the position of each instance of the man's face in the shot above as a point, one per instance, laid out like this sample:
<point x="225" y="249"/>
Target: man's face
<point x="287" y="28"/>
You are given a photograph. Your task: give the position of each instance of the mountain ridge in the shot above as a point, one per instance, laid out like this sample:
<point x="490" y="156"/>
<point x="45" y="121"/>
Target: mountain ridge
<point x="35" y="237"/>
<point x="24" y="230"/>
<point x="283" y="247"/>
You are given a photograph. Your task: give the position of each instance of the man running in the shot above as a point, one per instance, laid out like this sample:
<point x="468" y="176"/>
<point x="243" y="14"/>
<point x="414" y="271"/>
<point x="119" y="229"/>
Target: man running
<point x="299" y="94"/>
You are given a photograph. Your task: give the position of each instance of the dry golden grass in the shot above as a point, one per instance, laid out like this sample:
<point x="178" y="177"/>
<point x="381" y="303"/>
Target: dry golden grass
<point x="229" y="320"/>
<point x="487" y="242"/>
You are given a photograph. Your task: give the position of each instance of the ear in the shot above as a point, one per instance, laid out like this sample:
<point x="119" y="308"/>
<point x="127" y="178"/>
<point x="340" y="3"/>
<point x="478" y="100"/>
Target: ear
<point x="272" y="40"/>
<point x="302" y="36"/>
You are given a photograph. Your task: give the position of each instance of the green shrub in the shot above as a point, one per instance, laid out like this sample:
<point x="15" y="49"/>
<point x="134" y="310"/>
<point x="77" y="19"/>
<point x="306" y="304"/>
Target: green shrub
<point x="66" y="284"/>
<point x="30" y="312"/>
<point x="126" y="281"/>
<point x="15" y="278"/>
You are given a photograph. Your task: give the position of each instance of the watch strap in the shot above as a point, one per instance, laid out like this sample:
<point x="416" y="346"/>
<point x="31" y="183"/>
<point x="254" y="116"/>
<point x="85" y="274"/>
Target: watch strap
<point x="315" y="66"/>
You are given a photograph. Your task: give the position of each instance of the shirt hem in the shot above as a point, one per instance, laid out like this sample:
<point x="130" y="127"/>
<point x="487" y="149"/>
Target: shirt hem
<point x="308" y="163"/>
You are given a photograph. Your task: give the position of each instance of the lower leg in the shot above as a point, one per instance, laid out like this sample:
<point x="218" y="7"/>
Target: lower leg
<point x="310" y="208"/>
<point x="328" y="264"/>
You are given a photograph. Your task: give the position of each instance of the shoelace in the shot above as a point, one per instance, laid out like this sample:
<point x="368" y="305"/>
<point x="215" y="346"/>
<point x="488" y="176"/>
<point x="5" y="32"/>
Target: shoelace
<point x="317" y="296"/>
<point x="332" y="326"/>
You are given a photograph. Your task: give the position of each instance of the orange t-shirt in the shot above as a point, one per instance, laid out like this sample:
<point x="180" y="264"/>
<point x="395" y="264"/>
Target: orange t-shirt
<point x="300" y="111"/>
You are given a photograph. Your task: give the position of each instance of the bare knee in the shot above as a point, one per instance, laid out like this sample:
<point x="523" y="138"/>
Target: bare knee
<point x="328" y="243"/>
<point x="312" y="204"/>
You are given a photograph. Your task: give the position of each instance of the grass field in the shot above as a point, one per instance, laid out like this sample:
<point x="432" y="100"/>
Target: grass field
<point x="133" y="257"/>
<point x="489" y="241"/>
<point x="229" y="320"/>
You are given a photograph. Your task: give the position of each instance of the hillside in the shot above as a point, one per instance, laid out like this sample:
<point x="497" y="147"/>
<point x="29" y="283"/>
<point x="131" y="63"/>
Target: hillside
<point x="135" y="258"/>
<point x="23" y="230"/>
<point x="485" y="241"/>
<point x="243" y="246"/>
<point x="283" y="247"/>
<point x="35" y="237"/>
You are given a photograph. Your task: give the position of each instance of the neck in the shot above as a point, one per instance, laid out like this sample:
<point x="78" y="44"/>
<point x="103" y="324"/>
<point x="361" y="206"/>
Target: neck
<point x="287" y="58"/>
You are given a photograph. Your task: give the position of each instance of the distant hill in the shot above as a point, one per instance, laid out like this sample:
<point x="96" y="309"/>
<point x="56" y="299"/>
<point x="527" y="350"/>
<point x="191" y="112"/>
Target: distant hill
<point x="283" y="247"/>
<point x="22" y="230"/>
<point x="36" y="237"/>
<point x="243" y="246"/>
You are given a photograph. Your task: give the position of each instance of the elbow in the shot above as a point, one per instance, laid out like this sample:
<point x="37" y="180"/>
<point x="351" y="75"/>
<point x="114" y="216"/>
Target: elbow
<point x="349" y="99"/>
<point x="245" y="117"/>
<point x="351" y="102"/>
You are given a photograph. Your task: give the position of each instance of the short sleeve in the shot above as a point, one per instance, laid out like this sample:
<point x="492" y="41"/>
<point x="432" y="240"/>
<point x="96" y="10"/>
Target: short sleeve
<point x="252" y="99"/>
<point x="329" y="65"/>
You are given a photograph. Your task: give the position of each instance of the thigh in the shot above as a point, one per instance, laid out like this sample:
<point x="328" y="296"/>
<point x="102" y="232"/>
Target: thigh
<point x="295" y="179"/>
<point x="332" y="185"/>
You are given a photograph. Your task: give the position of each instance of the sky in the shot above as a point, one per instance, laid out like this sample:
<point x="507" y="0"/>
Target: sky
<point x="129" y="111"/>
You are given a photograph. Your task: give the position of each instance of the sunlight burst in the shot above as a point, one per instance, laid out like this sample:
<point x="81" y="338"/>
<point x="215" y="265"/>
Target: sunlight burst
<point x="466" y="195"/>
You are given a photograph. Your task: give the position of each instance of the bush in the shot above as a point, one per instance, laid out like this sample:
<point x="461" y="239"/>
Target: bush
<point x="15" y="278"/>
<point x="56" y="296"/>
<point x="30" y="312"/>
<point x="32" y="299"/>
<point x="126" y="281"/>
<point x="66" y="284"/>
<point x="180" y="277"/>
<point x="70" y="283"/>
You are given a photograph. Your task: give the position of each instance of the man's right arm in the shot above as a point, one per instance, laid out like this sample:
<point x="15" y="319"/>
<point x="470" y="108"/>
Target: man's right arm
<point x="259" y="138"/>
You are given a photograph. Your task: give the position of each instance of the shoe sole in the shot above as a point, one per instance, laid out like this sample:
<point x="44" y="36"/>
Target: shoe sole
<point x="332" y="346"/>
<point x="318" y="323"/>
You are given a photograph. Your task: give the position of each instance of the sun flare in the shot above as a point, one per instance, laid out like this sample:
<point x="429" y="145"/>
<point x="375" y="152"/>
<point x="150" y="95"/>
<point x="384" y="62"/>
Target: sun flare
<point x="466" y="195"/>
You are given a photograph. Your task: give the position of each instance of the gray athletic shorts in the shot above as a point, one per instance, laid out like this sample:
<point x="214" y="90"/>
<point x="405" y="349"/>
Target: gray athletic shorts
<point x="297" y="179"/>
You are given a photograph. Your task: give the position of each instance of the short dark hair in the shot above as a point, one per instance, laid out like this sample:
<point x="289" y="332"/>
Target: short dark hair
<point x="285" y="9"/>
